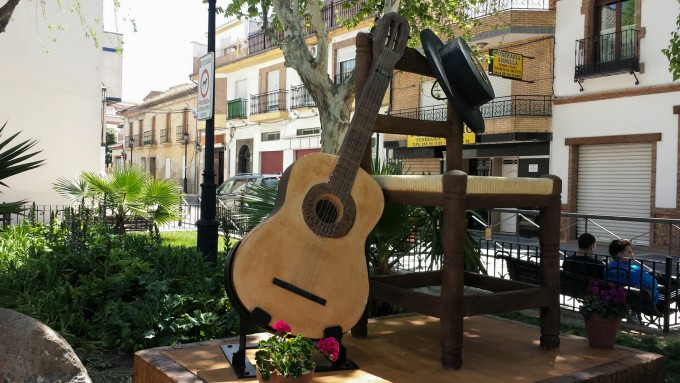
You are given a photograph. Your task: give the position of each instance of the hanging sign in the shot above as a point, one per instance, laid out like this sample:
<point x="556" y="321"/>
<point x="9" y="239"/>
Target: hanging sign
<point x="506" y="64"/>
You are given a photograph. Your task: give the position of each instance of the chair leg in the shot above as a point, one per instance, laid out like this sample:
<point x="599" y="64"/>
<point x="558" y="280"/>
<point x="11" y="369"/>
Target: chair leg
<point x="452" y="342"/>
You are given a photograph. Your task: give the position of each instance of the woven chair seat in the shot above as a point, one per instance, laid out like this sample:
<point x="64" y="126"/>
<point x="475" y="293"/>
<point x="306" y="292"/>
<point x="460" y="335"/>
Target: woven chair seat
<point x="475" y="184"/>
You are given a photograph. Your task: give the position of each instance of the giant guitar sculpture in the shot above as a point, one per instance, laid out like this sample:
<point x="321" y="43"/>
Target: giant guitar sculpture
<point x="305" y="264"/>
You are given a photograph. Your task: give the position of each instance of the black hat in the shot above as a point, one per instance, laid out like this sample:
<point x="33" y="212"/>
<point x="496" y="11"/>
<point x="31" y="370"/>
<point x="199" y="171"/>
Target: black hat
<point x="460" y="75"/>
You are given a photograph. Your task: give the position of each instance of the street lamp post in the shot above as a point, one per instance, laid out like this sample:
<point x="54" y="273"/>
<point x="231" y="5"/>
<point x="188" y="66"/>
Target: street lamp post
<point x="185" y="136"/>
<point x="132" y="146"/>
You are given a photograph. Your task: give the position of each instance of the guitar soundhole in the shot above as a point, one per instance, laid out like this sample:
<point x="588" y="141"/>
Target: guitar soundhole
<point x="326" y="215"/>
<point x="326" y="211"/>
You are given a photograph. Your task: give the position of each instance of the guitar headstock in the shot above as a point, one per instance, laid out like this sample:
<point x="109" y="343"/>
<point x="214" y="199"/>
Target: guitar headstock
<point x="389" y="38"/>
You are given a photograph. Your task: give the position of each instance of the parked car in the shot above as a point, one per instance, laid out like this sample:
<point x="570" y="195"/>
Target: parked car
<point x="232" y="190"/>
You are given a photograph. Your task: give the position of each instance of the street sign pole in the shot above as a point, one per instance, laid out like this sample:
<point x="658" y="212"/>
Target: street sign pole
<point x="207" y="225"/>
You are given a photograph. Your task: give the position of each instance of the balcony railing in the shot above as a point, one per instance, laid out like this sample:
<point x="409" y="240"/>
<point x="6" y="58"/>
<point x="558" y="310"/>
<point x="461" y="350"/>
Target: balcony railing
<point x="494" y="6"/>
<point x="519" y="105"/>
<point x="300" y="97"/>
<point x="331" y="14"/>
<point x="429" y="113"/>
<point x="268" y="102"/>
<point x="164" y="135"/>
<point x="237" y="108"/>
<point x="341" y="76"/>
<point x="607" y="54"/>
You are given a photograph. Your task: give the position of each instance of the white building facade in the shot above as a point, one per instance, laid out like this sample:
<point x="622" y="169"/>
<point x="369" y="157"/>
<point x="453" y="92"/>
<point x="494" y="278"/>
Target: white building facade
<point x="51" y="90"/>
<point x="616" y="115"/>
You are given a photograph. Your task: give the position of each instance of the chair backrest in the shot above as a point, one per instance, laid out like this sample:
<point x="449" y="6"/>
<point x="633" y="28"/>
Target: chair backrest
<point x="412" y="62"/>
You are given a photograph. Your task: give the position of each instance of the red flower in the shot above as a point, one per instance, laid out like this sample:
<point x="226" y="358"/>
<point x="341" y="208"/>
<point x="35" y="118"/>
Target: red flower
<point x="281" y="327"/>
<point x="330" y="347"/>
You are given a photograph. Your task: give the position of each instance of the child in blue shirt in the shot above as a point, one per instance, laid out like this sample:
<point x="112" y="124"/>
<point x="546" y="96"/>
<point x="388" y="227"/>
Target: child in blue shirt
<point x="623" y="269"/>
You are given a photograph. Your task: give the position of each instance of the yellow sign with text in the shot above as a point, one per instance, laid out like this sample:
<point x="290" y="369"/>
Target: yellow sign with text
<point x="420" y="141"/>
<point x="506" y="64"/>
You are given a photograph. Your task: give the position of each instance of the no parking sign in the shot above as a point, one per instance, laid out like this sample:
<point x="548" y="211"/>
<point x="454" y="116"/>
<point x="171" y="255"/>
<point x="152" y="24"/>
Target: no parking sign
<point x="206" y="78"/>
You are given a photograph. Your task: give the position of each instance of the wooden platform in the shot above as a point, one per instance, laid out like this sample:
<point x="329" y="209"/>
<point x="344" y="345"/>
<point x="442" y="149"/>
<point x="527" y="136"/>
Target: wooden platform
<point x="406" y="349"/>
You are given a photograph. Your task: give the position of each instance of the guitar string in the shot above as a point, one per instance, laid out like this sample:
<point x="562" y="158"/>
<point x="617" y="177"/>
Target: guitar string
<point x="374" y="89"/>
<point x="345" y="185"/>
<point x="370" y="91"/>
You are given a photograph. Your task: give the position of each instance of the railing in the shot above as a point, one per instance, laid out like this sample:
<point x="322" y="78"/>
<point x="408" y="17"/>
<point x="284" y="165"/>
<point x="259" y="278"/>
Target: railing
<point x="494" y="6"/>
<point x="300" y="97"/>
<point x="340" y="77"/>
<point x="268" y="102"/>
<point x="519" y="105"/>
<point x="429" y="113"/>
<point x="260" y="41"/>
<point x="237" y="108"/>
<point x="607" y="54"/>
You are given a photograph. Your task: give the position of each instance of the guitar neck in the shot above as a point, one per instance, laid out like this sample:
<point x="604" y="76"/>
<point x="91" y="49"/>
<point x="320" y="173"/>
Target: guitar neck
<point x="361" y="127"/>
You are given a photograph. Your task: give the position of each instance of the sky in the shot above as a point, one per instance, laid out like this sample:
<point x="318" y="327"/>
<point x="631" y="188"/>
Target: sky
<point x="159" y="54"/>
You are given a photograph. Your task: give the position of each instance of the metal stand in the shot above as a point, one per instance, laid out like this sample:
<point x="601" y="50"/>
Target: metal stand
<point x="236" y="355"/>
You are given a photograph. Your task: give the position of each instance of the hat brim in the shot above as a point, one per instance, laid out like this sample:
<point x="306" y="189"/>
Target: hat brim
<point x="472" y="116"/>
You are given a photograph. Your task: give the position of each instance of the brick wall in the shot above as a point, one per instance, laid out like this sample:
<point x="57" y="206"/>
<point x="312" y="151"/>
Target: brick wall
<point x="420" y="166"/>
<point x="405" y="90"/>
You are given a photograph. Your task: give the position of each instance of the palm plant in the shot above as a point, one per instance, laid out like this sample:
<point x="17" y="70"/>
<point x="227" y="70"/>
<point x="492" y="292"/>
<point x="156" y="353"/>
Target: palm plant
<point x="128" y="192"/>
<point x="400" y="230"/>
<point x="13" y="160"/>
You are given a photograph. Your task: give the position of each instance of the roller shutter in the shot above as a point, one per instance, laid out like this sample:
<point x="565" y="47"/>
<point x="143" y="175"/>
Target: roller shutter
<point x="615" y="180"/>
<point x="271" y="162"/>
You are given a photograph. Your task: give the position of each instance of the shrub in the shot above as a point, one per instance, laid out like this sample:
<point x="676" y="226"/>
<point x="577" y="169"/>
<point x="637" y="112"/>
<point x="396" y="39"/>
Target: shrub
<point x="98" y="287"/>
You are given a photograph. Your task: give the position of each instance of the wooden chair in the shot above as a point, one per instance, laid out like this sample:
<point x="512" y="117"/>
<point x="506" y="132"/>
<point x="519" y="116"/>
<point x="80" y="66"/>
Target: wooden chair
<point x="455" y="192"/>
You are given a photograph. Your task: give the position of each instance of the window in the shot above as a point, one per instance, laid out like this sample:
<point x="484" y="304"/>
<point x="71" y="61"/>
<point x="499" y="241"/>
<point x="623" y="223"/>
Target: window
<point x="615" y="24"/>
<point x="345" y="62"/>
<point x="308" y="131"/>
<point x="612" y="39"/>
<point x="271" y="136"/>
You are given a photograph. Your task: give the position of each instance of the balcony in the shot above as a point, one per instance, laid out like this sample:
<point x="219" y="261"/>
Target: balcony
<point x="519" y="105"/>
<point x="300" y="97"/>
<point x="492" y="7"/>
<point x="429" y="113"/>
<point x="270" y="106"/>
<point x="237" y="108"/>
<point x="258" y="42"/>
<point x="608" y="54"/>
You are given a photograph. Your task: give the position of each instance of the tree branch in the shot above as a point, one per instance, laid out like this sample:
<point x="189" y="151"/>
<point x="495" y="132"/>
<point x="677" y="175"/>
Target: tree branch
<point x="6" y="13"/>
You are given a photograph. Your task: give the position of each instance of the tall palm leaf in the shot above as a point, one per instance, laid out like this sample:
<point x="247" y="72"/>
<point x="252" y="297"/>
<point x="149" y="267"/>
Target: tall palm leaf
<point x="14" y="160"/>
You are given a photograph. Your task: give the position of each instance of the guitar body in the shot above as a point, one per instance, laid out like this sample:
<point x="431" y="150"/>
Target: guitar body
<point x="308" y="272"/>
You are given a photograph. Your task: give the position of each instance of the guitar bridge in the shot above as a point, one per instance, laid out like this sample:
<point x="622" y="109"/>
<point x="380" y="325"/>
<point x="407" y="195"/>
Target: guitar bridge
<point x="299" y="291"/>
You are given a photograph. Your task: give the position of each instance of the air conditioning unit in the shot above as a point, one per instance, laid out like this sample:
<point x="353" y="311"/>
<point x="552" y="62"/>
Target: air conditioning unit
<point x="312" y="50"/>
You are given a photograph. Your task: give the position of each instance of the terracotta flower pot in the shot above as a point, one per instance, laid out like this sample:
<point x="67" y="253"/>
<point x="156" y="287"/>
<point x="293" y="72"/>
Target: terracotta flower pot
<point x="276" y="378"/>
<point x="601" y="331"/>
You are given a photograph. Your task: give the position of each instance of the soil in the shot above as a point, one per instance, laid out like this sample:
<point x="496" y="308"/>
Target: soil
<point x="107" y="366"/>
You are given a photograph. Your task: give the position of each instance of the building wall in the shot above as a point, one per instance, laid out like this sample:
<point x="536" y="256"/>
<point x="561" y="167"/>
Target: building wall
<point x="169" y="155"/>
<point x="51" y="91"/>
<point x="612" y="109"/>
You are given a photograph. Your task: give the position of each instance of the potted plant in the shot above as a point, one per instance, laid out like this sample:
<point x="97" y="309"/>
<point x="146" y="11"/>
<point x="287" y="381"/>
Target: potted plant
<point x="602" y="309"/>
<point x="287" y="358"/>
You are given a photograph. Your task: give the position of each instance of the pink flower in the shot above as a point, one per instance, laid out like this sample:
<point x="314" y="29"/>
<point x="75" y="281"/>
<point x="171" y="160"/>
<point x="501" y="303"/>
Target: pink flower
<point x="281" y="327"/>
<point x="330" y="347"/>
